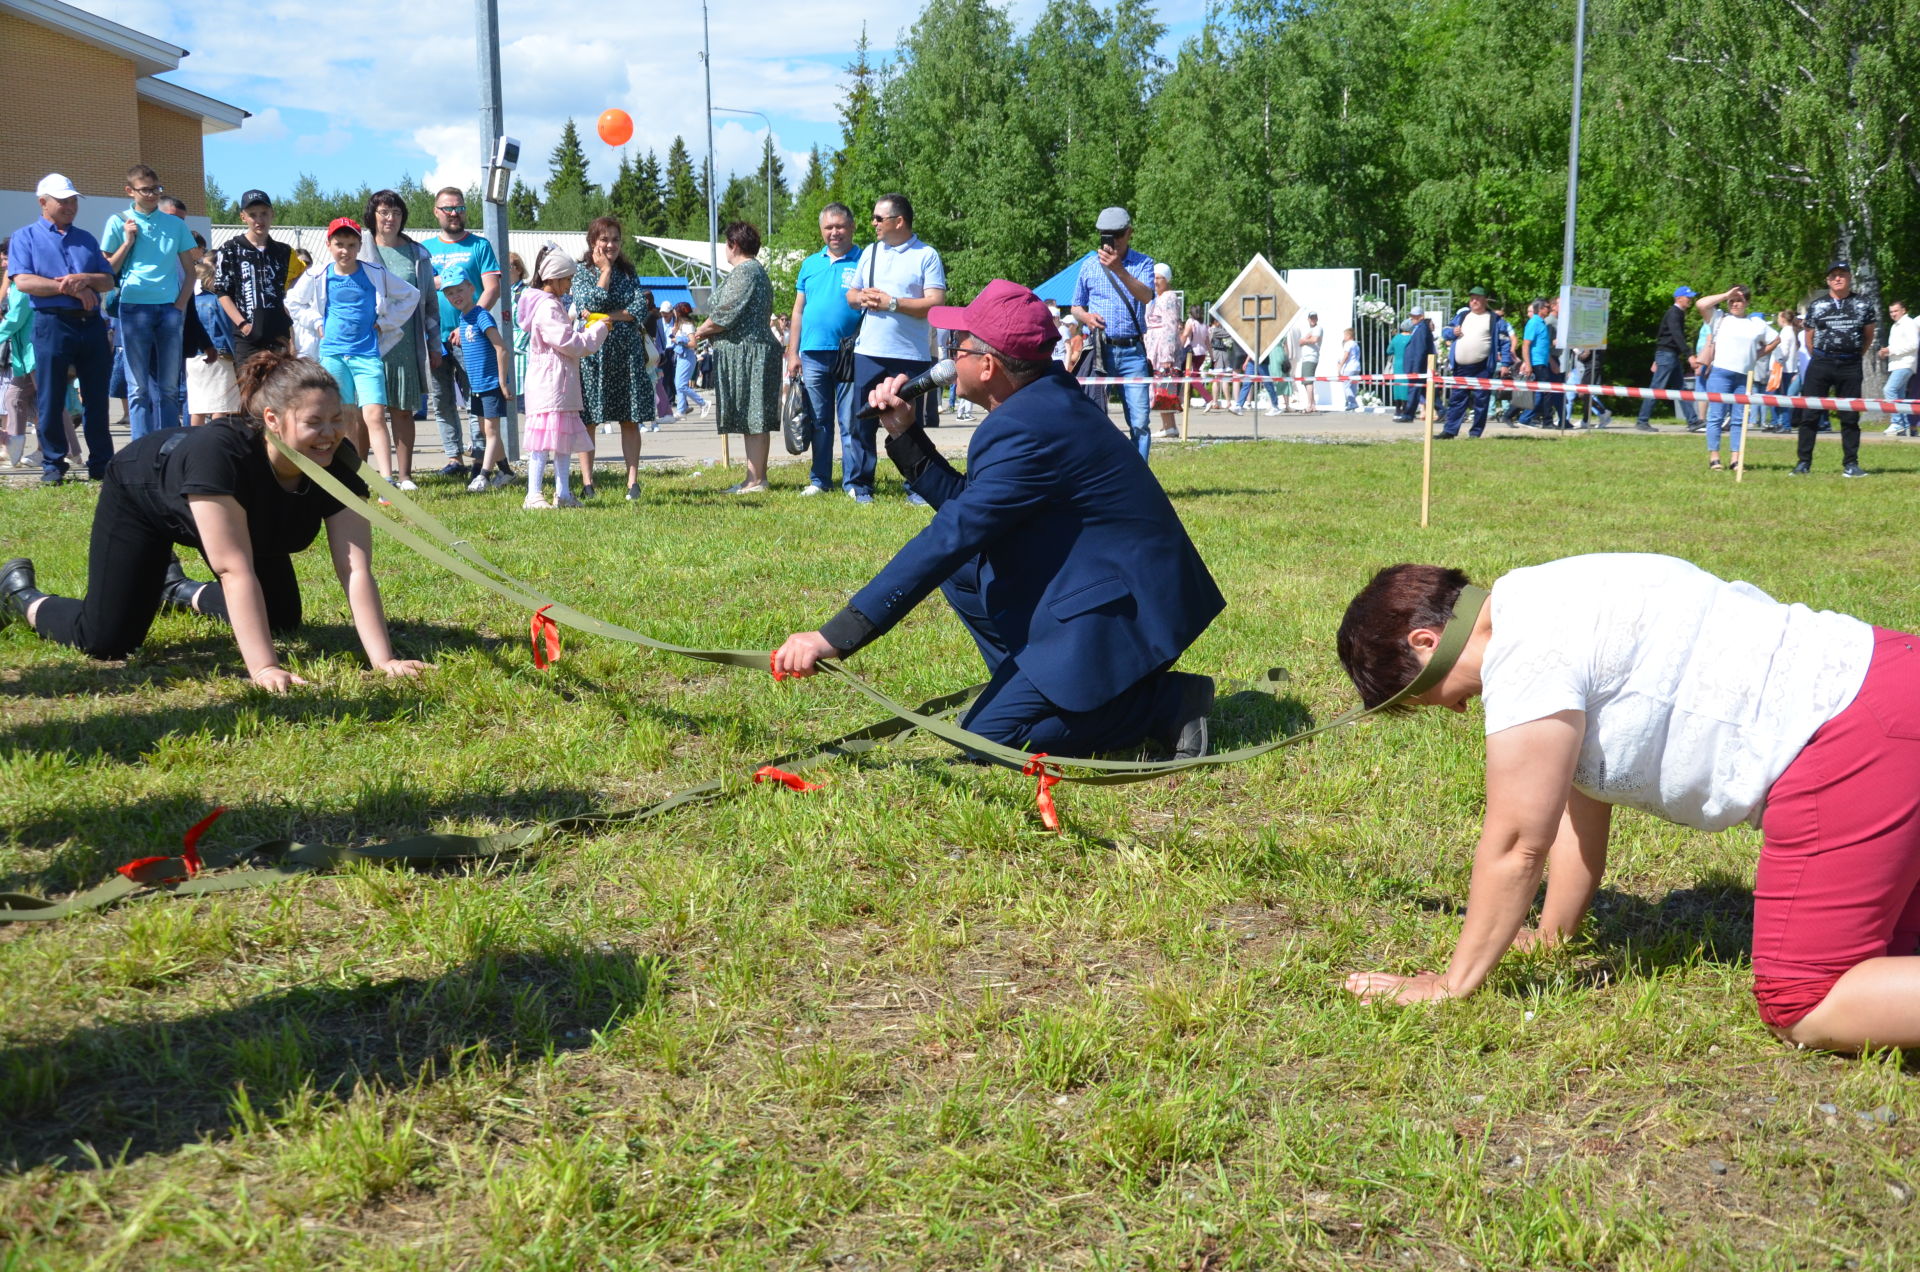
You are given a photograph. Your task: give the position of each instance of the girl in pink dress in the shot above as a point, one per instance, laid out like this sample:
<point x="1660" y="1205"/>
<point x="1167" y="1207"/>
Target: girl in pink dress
<point x="554" y="349"/>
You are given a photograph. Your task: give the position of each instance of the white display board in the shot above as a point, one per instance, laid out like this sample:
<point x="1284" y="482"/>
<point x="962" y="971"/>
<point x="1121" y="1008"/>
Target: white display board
<point x="1583" y="317"/>
<point x="1331" y="293"/>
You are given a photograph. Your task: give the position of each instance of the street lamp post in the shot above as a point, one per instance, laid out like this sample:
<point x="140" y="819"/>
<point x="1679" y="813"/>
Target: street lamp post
<point x="735" y="110"/>
<point x="1573" y="182"/>
<point x="713" y="215"/>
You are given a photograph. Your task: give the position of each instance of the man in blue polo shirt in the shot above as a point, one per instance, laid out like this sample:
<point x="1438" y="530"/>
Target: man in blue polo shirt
<point x="457" y="255"/>
<point x="60" y="267"/>
<point x="821" y="320"/>
<point x="899" y="281"/>
<point x="151" y="252"/>
<point x="1111" y="295"/>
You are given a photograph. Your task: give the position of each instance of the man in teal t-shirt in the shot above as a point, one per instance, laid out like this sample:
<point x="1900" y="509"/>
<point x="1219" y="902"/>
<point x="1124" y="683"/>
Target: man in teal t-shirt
<point x="458" y="256"/>
<point x="1537" y="340"/>
<point x="821" y="320"/>
<point x="148" y="250"/>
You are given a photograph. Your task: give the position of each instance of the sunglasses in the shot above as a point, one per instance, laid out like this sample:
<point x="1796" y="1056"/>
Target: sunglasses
<point x="451" y="207"/>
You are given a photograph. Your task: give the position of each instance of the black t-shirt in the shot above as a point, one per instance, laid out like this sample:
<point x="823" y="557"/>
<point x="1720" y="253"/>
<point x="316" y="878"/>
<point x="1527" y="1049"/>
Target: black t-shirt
<point x="228" y="457"/>
<point x="256" y="280"/>
<point x="1839" y="326"/>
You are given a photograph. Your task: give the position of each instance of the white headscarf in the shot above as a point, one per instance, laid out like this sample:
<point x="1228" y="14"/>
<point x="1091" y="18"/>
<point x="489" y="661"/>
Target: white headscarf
<point x="553" y="262"/>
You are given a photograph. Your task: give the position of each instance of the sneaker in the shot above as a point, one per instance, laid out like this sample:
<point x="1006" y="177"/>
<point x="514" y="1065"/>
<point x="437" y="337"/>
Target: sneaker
<point x="17" y="590"/>
<point x="860" y="496"/>
<point x="477" y="485"/>
<point x="405" y="483"/>
<point x="633" y="493"/>
<point x="504" y="469"/>
<point x="534" y="503"/>
<point x="1643" y="427"/>
<point x="1802" y="469"/>
<point x="498" y="480"/>
<point x="568" y="501"/>
<point x="1896" y="430"/>
<point x="810" y="489"/>
<point x="587" y="491"/>
<point x="455" y="469"/>
<point x="1853" y="470"/>
<point x="747" y="488"/>
<point x="1170" y="434"/>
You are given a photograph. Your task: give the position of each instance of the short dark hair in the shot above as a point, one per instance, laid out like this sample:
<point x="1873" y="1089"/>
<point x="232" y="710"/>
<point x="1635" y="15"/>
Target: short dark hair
<point x="901" y="205"/>
<point x="140" y="172"/>
<point x="1372" y="641"/>
<point x="743" y="237"/>
<point x="453" y="190"/>
<point x="837" y="209"/>
<point x="198" y="241"/>
<point x="386" y="199"/>
<point x="1021" y="370"/>
<point x="173" y="206"/>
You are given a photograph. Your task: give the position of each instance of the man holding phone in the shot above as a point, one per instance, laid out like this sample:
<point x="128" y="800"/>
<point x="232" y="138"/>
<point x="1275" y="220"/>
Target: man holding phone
<point x="1110" y="296"/>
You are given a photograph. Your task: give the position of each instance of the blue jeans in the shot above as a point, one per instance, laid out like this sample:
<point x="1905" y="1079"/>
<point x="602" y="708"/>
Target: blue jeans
<point x="831" y="403"/>
<point x="860" y="459"/>
<point x="1895" y="391"/>
<point x="1543" y="402"/>
<point x="1734" y="414"/>
<point x="64" y="348"/>
<point x="1250" y="367"/>
<point x="1783" y="415"/>
<point x="151" y="335"/>
<point x="683" y="369"/>
<point x="1669" y="372"/>
<point x="1131" y="360"/>
<point x="1457" y="399"/>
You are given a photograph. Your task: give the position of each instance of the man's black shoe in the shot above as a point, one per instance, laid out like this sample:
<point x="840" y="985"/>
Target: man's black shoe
<point x="1187" y="739"/>
<point x="17" y="590"/>
<point x="1444" y="437"/>
<point x="178" y="591"/>
<point x="1802" y="469"/>
<point x="1853" y="470"/>
<point x="455" y="469"/>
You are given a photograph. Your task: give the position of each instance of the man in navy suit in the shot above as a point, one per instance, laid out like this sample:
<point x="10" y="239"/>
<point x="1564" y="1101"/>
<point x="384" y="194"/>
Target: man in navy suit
<point x="1057" y="548"/>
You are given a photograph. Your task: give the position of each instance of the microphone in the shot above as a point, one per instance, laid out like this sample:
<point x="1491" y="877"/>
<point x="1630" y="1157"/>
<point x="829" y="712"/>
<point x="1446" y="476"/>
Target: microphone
<point x="937" y="376"/>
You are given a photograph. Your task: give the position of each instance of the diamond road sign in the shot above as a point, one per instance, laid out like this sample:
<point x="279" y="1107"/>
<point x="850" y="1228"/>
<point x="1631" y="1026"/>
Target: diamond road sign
<point x="1256" y="309"/>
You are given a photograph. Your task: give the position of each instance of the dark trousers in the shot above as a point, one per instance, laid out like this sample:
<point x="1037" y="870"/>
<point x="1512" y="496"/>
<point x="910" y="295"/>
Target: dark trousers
<point x="860" y="458"/>
<point x="1013" y="712"/>
<point x="1829" y="377"/>
<point x="1546" y="409"/>
<point x="1457" y="399"/>
<point x="126" y="568"/>
<point x="243" y="348"/>
<point x="1669" y="372"/>
<point x="72" y="348"/>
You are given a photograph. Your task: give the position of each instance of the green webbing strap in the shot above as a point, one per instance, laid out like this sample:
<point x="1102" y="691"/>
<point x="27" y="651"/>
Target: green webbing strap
<point x="278" y="860"/>
<point x="476" y="568"/>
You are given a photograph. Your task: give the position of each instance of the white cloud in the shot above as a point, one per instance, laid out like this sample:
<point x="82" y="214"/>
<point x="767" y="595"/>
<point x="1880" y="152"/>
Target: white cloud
<point x="265" y="126"/>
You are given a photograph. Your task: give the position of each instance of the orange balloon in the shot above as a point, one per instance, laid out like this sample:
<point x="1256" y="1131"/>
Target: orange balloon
<point x="616" y="126"/>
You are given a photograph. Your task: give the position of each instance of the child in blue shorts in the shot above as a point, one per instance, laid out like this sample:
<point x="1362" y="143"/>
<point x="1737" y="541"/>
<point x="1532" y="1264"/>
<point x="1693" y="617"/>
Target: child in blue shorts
<point x="483" y="352"/>
<point x="358" y="309"/>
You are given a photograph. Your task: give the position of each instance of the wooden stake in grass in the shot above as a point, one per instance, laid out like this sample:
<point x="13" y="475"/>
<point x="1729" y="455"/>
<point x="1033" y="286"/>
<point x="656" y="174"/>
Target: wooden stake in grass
<point x="1426" y="450"/>
<point x="1746" y="434"/>
<point x="1186" y="399"/>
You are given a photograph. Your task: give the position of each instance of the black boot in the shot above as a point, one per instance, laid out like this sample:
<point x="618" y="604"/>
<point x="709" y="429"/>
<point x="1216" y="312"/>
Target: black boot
<point x="1187" y="735"/>
<point x="17" y="590"/>
<point x="178" y="591"/>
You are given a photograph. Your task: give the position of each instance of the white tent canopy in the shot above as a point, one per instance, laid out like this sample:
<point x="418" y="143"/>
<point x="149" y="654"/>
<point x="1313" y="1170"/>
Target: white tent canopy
<point x="692" y="257"/>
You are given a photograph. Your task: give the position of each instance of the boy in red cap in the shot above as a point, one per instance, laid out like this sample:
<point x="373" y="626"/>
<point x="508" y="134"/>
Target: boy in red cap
<point x="1056" y="547"/>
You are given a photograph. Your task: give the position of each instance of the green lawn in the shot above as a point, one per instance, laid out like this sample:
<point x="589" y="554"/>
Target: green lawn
<point x="893" y="1023"/>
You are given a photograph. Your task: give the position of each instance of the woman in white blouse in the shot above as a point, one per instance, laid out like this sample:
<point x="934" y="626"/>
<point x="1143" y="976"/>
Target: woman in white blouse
<point x="1606" y="680"/>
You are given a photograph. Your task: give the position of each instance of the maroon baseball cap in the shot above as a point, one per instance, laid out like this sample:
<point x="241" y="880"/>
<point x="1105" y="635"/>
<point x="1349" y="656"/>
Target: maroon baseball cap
<point x="1007" y="316"/>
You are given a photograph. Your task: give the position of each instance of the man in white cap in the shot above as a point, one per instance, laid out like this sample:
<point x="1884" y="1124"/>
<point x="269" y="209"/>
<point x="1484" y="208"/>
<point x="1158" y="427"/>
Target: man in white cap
<point x="60" y="267"/>
<point x="1110" y="296"/>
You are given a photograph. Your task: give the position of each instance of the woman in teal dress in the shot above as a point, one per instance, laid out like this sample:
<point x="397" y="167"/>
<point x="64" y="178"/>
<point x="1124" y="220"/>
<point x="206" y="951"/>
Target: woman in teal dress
<point x="616" y="385"/>
<point x="746" y="356"/>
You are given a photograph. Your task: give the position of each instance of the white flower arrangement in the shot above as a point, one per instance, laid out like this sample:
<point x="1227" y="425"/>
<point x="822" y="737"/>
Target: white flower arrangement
<point x="1377" y="309"/>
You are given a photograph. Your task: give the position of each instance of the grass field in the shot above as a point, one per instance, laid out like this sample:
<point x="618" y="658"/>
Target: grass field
<point x="892" y="1023"/>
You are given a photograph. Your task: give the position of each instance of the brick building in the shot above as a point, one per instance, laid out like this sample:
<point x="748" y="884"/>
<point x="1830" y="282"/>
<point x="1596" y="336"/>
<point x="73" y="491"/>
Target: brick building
<point x="108" y="109"/>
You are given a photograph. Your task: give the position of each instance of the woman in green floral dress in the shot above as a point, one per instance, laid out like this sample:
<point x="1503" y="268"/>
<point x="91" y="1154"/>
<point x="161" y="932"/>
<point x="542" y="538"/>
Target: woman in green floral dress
<point x="746" y="357"/>
<point x="616" y="386"/>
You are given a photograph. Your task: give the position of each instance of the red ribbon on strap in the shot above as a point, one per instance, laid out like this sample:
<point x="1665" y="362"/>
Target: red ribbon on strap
<point x="777" y="673"/>
<point x="792" y="781"/>
<point x="544" y="626"/>
<point x="1043" y="794"/>
<point x="144" y="870"/>
<point x="190" y="842"/>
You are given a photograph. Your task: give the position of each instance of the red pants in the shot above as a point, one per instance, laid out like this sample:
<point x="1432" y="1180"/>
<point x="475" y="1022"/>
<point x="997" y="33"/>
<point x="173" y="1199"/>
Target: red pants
<point x="1839" y="877"/>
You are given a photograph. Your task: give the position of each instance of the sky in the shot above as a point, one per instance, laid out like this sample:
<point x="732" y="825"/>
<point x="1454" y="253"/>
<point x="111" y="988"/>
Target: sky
<point x="365" y="91"/>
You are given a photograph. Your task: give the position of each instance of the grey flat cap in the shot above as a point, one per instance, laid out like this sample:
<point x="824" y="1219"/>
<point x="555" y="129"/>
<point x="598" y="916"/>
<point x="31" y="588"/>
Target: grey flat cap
<point x="1112" y="220"/>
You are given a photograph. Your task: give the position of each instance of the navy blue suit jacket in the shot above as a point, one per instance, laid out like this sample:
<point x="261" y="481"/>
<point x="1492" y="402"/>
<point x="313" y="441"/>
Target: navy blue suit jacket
<point x="1092" y="581"/>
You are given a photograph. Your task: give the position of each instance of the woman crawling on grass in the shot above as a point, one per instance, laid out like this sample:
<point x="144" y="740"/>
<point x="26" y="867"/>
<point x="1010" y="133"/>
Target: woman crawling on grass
<point x="1646" y="681"/>
<point x="224" y="490"/>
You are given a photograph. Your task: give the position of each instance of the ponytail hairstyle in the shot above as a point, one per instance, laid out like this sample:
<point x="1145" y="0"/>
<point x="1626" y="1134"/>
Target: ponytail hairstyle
<point x="272" y="379"/>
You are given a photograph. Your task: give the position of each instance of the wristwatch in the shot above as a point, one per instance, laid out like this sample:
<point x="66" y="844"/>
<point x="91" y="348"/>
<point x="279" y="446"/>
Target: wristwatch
<point x="893" y="304"/>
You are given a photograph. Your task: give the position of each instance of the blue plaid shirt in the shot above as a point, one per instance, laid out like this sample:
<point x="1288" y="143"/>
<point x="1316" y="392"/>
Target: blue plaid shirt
<point x="1094" y="292"/>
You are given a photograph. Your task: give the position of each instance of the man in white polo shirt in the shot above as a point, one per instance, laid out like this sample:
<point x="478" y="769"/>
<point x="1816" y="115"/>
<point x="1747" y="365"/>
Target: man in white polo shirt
<point x="899" y="280"/>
